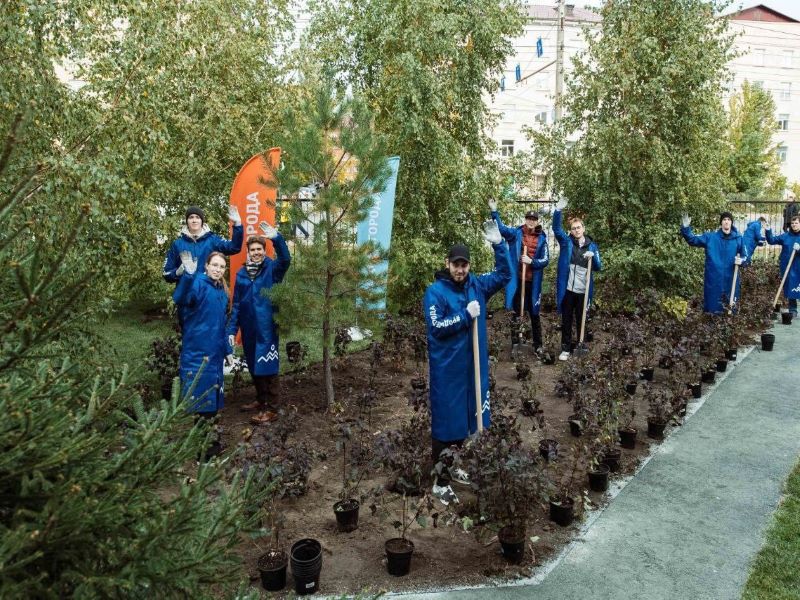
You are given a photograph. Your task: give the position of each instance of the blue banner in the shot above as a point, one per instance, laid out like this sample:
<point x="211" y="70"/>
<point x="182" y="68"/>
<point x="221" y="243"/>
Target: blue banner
<point x="377" y="227"/>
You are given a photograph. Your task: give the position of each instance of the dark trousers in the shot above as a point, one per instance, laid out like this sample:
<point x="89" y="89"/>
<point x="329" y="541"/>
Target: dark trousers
<point x="536" y="322"/>
<point x="268" y="389"/>
<point x="793" y="306"/>
<point x="571" y="309"/>
<point x="436" y="449"/>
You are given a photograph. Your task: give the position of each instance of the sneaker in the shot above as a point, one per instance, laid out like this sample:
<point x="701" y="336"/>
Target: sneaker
<point x="539" y="351"/>
<point x="564" y="355"/>
<point x="460" y="476"/>
<point x="445" y="494"/>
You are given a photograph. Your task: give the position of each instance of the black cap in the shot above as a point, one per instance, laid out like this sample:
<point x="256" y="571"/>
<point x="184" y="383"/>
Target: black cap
<point x="458" y="252"/>
<point x="195" y="210"/>
<point x="725" y="215"/>
<point x="532" y="214"/>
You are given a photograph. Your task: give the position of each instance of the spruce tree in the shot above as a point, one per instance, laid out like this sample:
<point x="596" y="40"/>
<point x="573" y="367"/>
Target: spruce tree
<point x="330" y="286"/>
<point x="94" y="500"/>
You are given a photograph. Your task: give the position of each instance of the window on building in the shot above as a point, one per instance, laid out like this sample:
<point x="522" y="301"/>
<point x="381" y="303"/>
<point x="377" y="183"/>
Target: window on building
<point x="758" y="57"/>
<point x="541" y="117"/>
<point x="786" y="90"/>
<point x="781" y="152"/>
<point x="783" y="121"/>
<point x="507" y="148"/>
<point x="788" y="57"/>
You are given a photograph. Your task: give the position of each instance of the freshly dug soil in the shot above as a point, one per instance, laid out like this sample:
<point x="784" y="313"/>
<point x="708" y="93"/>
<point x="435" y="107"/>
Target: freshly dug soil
<point x="443" y="556"/>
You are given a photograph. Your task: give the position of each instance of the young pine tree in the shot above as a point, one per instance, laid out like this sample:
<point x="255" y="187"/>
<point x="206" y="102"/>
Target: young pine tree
<point x="330" y="286"/>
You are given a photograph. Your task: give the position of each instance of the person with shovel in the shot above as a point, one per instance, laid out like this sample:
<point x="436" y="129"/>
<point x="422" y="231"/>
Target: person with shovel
<point x="790" y="253"/>
<point x="579" y="256"/>
<point x="754" y="236"/>
<point x="725" y="253"/>
<point x="252" y="312"/>
<point x="529" y="255"/>
<point x="455" y="316"/>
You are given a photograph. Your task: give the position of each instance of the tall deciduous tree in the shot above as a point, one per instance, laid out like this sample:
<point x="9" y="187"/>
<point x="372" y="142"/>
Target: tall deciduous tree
<point x="330" y="286"/>
<point x="425" y="67"/>
<point x="644" y="100"/>
<point x="753" y="165"/>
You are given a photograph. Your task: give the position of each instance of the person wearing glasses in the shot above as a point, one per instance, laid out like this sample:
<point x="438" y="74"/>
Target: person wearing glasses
<point x="572" y="276"/>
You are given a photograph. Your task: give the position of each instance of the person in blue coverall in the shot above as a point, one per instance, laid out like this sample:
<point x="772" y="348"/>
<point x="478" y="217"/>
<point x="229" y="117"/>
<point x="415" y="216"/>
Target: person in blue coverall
<point x="576" y="249"/>
<point x="790" y="240"/>
<point x="204" y="300"/>
<point x="753" y="236"/>
<point x="252" y="312"/>
<point x="724" y="250"/>
<point x="198" y="240"/>
<point x="451" y="303"/>
<point x="531" y="237"/>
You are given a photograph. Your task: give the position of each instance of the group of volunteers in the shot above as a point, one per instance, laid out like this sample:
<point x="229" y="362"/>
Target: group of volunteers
<point x="457" y="298"/>
<point x="196" y="262"/>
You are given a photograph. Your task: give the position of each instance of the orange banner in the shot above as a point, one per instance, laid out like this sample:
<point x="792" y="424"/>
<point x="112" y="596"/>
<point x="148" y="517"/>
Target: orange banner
<point x="255" y="200"/>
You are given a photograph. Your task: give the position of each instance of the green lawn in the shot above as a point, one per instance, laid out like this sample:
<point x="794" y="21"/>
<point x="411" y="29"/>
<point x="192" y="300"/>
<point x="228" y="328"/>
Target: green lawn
<point x="776" y="570"/>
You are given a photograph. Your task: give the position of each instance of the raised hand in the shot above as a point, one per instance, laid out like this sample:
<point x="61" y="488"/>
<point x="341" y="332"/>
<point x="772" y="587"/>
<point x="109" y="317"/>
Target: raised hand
<point x="269" y="231"/>
<point x="492" y="232"/>
<point x="233" y="215"/>
<point x="188" y="262"/>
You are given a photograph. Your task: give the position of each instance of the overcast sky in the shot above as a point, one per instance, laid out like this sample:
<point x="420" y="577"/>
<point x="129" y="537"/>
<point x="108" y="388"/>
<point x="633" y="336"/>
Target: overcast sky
<point x="791" y="8"/>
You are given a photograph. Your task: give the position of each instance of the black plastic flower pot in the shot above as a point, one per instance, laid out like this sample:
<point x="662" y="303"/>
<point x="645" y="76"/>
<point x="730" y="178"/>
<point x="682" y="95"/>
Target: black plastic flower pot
<point x="346" y="512"/>
<point x="611" y="459"/>
<point x="398" y="556"/>
<point x="778" y="307"/>
<point x="708" y="376"/>
<point x="575" y="426"/>
<point x="732" y="353"/>
<point x="697" y="390"/>
<point x="786" y="318"/>
<point x="631" y="388"/>
<point x="627" y="438"/>
<point x="272" y="567"/>
<point x="767" y="341"/>
<point x="562" y="511"/>
<point x="306" y="560"/>
<point x="548" y="449"/>
<point x="647" y="373"/>
<point x="598" y="478"/>
<point x="512" y="543"/>
<point x="722" y="365"/>
<point x="655" y="428"/>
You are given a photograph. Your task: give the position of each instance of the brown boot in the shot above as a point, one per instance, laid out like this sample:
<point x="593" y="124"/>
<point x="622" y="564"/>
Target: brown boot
<point x="251" y="405"/>
<point x="263" y="417"/>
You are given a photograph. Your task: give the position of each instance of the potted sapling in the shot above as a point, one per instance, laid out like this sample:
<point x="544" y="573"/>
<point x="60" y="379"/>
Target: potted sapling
<point x="659" y="411"/>
<point x="272" y="563"/>
<point x="404" y="511"/>
<point x="532" y="408"/>
<point x="348" y="444"/>
<point x="627" y="432"/>
<point x="507" y="480"/>
<point x="563" y="499"/>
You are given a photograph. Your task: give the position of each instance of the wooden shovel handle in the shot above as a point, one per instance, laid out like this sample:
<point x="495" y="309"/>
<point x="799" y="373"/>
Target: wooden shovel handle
<point x="783" y="279"/>
<point x="476" y="367"/>
<point x="586" y="299"/>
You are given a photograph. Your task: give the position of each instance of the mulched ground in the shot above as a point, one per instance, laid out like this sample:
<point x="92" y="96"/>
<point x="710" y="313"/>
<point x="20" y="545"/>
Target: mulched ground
<point x="444" y="556"/>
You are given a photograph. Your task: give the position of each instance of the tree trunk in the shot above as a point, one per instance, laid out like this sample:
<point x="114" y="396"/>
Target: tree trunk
<point x="326" y="318"/>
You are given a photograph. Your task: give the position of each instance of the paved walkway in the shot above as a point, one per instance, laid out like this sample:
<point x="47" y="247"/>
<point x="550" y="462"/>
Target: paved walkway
<point x="690" y="522"/>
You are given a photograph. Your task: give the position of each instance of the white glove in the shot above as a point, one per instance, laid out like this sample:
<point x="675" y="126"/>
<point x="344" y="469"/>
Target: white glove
<point x="796" y="247"/>
<point x="229" y="360"/>
<point x="231" y="340"/>
<point x="492" y="232"/>
<point x="588" y="255"/>
<point x="179" y="270"/>
<point x="188" y="262"/>
<point x="474" y="309"/>
<point x="269" y="231"/>
<point x="526" y="259"/>
<point x="233" y="215"/>
<point x="686" y="220"/>
<point x="738" y="260"/>
<point x="492" y="205"/>
<point x="561" y="204"/>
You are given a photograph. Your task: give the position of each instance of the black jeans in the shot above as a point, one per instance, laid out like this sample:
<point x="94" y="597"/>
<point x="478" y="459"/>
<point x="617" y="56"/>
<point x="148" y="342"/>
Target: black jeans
<point x="536" y="322"/>
<point x="267" y="389"/>
<point x="571" y="308"/>
<point x="436" y="449"/>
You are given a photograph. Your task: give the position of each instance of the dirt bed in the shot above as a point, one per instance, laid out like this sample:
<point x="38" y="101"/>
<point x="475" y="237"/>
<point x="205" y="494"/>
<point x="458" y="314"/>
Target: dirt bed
<point x="444" y="556"/>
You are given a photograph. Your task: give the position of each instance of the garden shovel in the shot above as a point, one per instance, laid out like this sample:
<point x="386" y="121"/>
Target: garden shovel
<point x="732" y="299"/>
<point x="783" y="280"/>
<point x="581" y="348"/>
<point x="522" y="298"/>
<point x="476" y="366"/>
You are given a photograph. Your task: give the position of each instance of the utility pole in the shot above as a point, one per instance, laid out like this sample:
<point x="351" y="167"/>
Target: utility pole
<point x="559" y="60"/>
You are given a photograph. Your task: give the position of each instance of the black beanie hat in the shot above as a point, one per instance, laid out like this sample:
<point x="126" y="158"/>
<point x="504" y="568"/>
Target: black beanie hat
<point x="725" y="215"/>
<point x="195" y="210"/>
